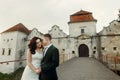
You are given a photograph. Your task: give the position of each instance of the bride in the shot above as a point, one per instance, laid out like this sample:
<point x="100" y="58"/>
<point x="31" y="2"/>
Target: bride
<point x="34" y="57"/>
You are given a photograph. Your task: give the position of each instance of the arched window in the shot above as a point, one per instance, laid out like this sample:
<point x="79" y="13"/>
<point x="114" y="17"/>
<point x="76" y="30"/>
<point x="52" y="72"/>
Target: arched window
<point x="9" y="51"/>
<point x="3" y="51"/>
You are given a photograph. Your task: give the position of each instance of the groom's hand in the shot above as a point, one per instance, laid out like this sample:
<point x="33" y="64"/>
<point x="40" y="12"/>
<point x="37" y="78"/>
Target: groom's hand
<point x="38" y="71"/>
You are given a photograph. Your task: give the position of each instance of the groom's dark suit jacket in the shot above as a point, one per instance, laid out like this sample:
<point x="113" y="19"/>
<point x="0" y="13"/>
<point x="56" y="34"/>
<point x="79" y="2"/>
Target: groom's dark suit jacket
<point x="49" y="64"/>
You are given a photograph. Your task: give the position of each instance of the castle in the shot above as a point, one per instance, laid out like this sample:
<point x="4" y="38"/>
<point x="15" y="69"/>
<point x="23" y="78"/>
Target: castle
<point x="82" y="41"/>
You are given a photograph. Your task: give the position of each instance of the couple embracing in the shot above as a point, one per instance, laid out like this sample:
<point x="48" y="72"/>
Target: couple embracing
<point x="42" y="60"/>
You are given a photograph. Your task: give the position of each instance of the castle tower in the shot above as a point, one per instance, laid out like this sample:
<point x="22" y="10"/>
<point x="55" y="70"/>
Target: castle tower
<point x="82" y="26"/>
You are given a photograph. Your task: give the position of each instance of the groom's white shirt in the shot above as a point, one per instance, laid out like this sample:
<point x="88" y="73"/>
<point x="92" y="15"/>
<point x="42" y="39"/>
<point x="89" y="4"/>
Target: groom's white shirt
<point x="46" y="48"/>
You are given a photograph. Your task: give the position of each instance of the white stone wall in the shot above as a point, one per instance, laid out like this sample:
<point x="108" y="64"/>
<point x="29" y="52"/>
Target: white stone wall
<point x="59" y="38"/>
<point x="110" y="42"/>
<point x="95" y="47"/>
<point x="61" y="41"/>
<point x="75" y="28"/>
<point x="16" y="41"/>
<point x="57" y="32"/>
<point x="8" y="40"/>
<point x="68" y="44"/>
<point x="34" y="33"/>
<point x="20" y="49"/>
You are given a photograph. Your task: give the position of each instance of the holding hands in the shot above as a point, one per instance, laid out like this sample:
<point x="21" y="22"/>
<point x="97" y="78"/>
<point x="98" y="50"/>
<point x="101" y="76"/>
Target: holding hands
<point x="38" y="71"/>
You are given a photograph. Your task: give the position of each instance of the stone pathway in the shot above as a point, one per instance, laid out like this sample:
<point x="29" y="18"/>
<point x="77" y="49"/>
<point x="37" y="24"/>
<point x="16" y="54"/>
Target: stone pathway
<point x="85" y="69"/>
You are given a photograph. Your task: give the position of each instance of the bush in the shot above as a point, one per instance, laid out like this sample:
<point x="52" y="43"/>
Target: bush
<point x="12" y="76"/>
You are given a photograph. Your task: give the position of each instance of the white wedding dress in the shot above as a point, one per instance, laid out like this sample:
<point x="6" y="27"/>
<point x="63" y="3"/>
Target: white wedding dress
<point x="28" y="74"/>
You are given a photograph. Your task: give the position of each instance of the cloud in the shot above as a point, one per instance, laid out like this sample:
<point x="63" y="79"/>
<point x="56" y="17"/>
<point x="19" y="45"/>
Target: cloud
<point x="43" y="14"/>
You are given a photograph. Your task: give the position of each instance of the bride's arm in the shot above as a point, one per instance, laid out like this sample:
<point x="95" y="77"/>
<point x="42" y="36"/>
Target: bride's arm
<point x="29" y="61"/>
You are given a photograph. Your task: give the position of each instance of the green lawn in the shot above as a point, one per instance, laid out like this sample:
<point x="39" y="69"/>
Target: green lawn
<point x="13" y="76"/>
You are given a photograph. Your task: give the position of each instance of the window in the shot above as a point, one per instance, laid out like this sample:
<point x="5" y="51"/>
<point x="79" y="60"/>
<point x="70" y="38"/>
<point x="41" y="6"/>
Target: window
<point x="114" y="48"/>
<point x="114" y="24"/>
<point x="3" y="51"/>
<point x="20" y="55"/>
<point x="103" y="48"/>
<point x="94" y="47"/>
<point x="82" y="31"/>
<point x="9" y="51"/>
<point x="7" y="40"/>
<point x="73" y="52"/>
<point x="59" y="40"/>
<point x="94" y="52"/>
<point x="63" y="49"/>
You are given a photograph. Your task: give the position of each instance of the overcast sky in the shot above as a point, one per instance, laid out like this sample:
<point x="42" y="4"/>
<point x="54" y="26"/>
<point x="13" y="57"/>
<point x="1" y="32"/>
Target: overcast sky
<point x="43" y="14"/>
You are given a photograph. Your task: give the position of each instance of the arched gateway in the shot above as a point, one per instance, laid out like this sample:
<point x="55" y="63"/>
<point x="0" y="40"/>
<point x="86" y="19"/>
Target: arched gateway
<point x="83" y="50"/>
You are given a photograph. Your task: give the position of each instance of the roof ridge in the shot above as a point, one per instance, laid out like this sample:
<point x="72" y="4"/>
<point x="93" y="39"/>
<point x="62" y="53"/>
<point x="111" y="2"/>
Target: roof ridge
<point x="18" y="27"/>
<point x="81" y="12"/>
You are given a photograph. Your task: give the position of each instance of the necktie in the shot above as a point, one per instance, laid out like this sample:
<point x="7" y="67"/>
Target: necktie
<point x="44" y="51"/>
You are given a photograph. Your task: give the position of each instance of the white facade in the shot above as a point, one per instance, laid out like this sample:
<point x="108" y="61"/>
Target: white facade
<point x="76" y="28"/>
<point x="110" y="41"/>
<point x="34" y="33"/>
<point x="11" y="49"/>
<point x="82" y="27"/>
<point x="59" y="37"/>
<point x="69" y="44"/>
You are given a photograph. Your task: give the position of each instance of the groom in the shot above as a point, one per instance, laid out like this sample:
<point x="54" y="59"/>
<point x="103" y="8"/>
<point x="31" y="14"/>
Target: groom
<point x="50" y="60"/>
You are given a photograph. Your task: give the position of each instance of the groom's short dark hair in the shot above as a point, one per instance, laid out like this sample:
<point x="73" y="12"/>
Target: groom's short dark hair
<point x="48" y="35"/>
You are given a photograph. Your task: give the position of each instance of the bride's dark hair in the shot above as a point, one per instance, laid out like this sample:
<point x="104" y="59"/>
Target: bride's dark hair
<point x="33" y="44"/>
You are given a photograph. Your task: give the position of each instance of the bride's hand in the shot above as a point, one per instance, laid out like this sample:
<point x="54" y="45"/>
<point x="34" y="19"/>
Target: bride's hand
<point x="38" y="70"/>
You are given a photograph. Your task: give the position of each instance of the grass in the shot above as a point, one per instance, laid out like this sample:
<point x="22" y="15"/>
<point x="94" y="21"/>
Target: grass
<point x="12" y="76"/>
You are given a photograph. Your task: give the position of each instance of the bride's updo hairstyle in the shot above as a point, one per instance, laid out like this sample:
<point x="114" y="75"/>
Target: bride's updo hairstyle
<point x="33" y="44"/>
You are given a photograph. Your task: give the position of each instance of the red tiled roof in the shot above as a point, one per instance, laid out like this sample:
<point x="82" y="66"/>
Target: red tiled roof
<point x="30" y="31"/>
<point x="19" y="27"/>
<point x="81" y="16"/>
<point x="81" y="12"/>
